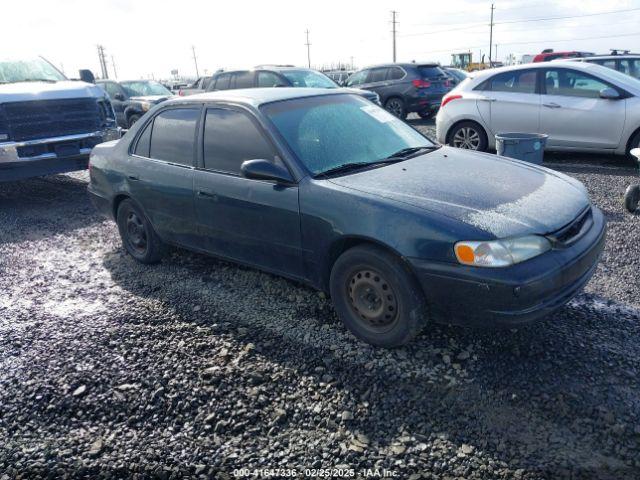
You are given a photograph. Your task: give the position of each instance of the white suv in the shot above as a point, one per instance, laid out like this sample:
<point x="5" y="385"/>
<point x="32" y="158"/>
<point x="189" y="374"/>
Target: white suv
<point x="581" y="106"/>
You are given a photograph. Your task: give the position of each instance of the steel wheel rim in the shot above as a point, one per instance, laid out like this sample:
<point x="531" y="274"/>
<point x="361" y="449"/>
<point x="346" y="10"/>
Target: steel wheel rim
<point x="467" y="138"/>
<point x="136" y="233"/>
<point x="372" y="299"/>
<point x="395" y="107"/>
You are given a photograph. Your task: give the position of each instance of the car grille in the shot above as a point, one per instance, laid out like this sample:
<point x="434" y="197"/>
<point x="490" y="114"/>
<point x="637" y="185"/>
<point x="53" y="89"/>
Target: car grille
<point x="52" y="118"/>
<point x="574" y="230"/>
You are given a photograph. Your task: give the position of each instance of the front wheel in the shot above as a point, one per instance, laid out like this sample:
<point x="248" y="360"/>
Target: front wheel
<point x="469" y="136"/>
<point x="138" y="237"/>
<point x="133" y="119"/>
<point x="376" y="297"/>
<point x="396" y="107"/>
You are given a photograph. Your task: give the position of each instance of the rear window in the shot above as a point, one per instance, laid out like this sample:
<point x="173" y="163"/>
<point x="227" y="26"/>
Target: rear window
<point x="430" y="71"/>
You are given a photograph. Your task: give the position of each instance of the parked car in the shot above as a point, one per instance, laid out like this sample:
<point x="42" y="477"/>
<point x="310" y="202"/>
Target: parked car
<point x="405" y="87"/>
<point x="548" y="54"/>
<point x="199" y="86"/>
<point x="628" y="63"/>
<point x="456" y="75"/>
<point x="133" y="98"/>
<point x="581" y="106"/>
<point x="326" y="188"/>
<point x="48" y="124"/>
<point x="279" y="76"/>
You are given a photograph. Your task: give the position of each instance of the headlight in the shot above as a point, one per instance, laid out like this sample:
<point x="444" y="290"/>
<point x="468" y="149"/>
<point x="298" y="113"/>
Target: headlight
<point x="501" y="253"/>
<point x="145" y="106"/>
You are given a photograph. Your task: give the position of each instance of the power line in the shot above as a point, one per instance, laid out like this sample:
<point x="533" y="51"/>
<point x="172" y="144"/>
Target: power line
<point x="473" y="25"/>
<point x="308" y="49"/>
<point x="538" y="41"/>
<point x="394" y="31"/>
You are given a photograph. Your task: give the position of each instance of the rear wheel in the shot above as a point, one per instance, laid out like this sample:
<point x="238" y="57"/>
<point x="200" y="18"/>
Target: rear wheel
<point x="468" y="135"/>
<point x="376" y="297"/>
<point x="396" y="106"/>
<point x="631" y="198"/>
<point x="634" y="143"/>
<point x="138" y="237"/>
<point x="427" y="114"/>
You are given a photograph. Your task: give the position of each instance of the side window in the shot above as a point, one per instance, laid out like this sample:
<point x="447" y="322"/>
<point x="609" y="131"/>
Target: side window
<point x="572" y="83"/>
<point x="206" y="83"/>
<point x="357" y="78"/>
<point x="111" y="89"/>
<point x="269" y="79"/>
<point x="173" y="137"/>
<point x="230" y="138"/>
<point x="395" y="73"/>
<point x="518" y="81"/>
<point x="630" y="66"/>
<point x="244" y="80"/>
<point x="222" y="83"/>
<point x="144" y="141"/>
<point x="376" y="75"/>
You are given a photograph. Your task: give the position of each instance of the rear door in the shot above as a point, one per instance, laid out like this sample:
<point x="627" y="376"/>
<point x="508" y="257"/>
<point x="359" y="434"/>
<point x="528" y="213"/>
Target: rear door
<point x="514" y="102"/>
<point x="252" y="221"/>
<point x="574" y="115"/>
<point x="161" y="170"/>
<point x="376" y="81"/>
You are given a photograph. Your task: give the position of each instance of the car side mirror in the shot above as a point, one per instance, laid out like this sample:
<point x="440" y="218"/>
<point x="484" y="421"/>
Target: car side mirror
<point x="609" y="94"/>
<point x="119" y="96"/>
<point x="87" y="76"/>
<point x="265" y="170"/>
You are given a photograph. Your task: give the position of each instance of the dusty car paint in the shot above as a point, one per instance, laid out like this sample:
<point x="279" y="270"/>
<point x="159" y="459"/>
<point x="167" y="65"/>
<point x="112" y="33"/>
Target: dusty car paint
<point x="417" y="209"/>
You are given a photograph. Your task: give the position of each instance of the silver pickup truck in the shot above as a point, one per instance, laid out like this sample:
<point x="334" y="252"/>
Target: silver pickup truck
<point x="48" y="123"/>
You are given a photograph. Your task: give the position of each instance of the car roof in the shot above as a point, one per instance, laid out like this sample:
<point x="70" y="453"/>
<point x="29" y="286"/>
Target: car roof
<point x="258" y="96"/>
<point x="606" y="57"/>
<point x="404" y="65"/>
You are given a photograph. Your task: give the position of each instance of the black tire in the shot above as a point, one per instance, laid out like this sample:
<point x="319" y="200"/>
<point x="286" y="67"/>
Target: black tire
<point x="473" y="132"/>
<point x="133" y="119"/>
<point x="633" y="143"/>
<point x="138" y="237"/>
<point x="427" y="115"/>
<point x="396" y="106"/>
<point x="631" y="198"/>
<point x="376" y="297"/>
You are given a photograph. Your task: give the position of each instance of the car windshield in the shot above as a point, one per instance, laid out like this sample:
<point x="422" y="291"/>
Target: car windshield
<point x="331" y="131"/>
<point x="28" y="70"/>
<point x="143" y="88"/>
<point x="308" y="78"/>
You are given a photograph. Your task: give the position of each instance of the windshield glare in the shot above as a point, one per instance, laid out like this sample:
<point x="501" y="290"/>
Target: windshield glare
<point x="143" y="88"/>
<point x="28" y="70"/>
<point x="308" y="78"/>
<point x="333" y="130"/>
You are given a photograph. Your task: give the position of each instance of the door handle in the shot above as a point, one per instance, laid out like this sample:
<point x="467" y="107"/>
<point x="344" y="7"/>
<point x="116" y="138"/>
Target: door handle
<point x="551" y="105"/>
<point x="133" y="177"/>
<point x="209" y="195"/>
<point x="487" y="99"/>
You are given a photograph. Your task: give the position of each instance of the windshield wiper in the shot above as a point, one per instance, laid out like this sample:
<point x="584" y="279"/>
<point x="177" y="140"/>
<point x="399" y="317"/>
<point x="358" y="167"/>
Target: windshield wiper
<point x="409" y="152"/>
<point x="346" y="167"/>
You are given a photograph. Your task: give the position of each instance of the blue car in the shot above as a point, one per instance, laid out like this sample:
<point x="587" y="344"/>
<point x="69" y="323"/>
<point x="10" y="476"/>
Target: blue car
<point x="329" y="189"/>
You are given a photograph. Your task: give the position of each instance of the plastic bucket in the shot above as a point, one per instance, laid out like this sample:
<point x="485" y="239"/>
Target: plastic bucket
<point x="528" y="147"/>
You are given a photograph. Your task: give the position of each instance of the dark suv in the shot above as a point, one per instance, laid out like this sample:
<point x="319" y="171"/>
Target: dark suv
<point x="275" y="76"/>
<point x="405" y="87"/>
<point x="133" y="98"/>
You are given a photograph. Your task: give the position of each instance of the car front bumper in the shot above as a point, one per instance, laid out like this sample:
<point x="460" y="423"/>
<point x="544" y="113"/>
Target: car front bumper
<point x="514" y="295"/>
<point x="46" y="156"/>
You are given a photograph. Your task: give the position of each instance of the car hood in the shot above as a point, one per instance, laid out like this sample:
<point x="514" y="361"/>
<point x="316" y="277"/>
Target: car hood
<point x="498" y="195"/>
<point x="28" y="91"/>
<point x="150" y="98"/>
<point x="368" y="94"/>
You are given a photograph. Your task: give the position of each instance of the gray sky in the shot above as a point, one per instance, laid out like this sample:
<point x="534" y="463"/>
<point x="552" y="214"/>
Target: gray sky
<point x="155" y="36"/>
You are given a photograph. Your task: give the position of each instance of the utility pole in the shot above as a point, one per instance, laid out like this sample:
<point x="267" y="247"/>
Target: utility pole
<point x="195" y="60"/>
<point x="308" y="49"/>
<point x="393" y="22"/>
<point x="496" y="49"/>
<point x="103" y="62"/>
<point x="491" y="34"/>
<point x="113" y="64"/>
<point x="351" y="62"/>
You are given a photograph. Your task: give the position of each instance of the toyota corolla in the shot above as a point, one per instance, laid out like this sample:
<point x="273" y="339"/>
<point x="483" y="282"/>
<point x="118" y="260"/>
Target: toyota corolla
<point x="329" y="189"/>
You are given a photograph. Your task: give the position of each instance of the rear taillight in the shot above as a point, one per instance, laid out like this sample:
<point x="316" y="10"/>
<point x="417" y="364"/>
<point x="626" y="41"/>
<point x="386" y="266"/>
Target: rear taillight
<point x="419" y="83"/>
<point x="447" y="98"/>
<point x="180" y="93"/>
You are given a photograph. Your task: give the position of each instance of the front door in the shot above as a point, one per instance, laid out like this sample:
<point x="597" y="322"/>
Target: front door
<point x="118" y="97"/>
<point x="574" y="115"/>
<point x="251" y="221"/>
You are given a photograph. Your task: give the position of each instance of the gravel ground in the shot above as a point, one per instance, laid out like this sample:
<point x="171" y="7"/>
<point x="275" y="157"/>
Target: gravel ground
<point x="195" y="367"/>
